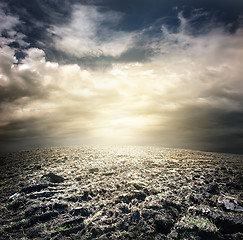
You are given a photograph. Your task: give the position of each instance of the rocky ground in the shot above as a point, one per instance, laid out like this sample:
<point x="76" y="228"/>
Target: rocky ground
<point x="121" y="193"/>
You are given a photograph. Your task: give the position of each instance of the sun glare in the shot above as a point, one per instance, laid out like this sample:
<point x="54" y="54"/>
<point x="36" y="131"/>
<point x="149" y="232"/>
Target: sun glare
<point x="122" y="122"/>
<point x="121" y="129"/>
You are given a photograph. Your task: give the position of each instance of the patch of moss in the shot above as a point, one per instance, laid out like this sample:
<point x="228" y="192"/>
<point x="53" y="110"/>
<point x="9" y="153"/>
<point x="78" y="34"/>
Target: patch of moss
<point x="195" y="222"/>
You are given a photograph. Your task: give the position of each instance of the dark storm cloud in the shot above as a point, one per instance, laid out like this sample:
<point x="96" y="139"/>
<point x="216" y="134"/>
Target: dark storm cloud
<point x="141" y="13"/>
<point x="201" y="127"/>
<point x="41" y="11"/>
<point x="39" y="15"/>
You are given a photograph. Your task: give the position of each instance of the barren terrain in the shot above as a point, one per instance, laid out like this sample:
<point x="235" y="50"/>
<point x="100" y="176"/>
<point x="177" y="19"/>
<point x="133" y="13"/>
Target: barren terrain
<point x="120" y="193"/>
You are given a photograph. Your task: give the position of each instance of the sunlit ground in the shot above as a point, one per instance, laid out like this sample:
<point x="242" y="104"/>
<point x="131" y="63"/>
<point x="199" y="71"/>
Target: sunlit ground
<point x="118" y="192"/>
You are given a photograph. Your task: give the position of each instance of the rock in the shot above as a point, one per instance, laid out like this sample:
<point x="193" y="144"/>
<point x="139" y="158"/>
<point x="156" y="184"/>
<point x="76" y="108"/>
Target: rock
<point x="163" y="224"/>
<point x="213" y="188"/>
<point x="230" y="204"/>
<point x="12" y="197"/>
<point x="155" y="205"/>
<point x="54" y="178"/>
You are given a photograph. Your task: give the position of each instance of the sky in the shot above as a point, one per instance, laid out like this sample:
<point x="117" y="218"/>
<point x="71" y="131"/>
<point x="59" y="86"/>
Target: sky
<point x="141" y="72"/>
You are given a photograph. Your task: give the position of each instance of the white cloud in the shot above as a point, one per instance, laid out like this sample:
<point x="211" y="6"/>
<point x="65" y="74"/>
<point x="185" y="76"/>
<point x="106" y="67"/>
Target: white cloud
<point x="90" y="33"/>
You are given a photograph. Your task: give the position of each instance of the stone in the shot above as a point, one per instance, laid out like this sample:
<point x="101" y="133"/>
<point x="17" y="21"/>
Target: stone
<point x="108" y="173"/>
<point x="12" y="197"/>
<point x="230" y="204"/>
<point x="140" y="195"/>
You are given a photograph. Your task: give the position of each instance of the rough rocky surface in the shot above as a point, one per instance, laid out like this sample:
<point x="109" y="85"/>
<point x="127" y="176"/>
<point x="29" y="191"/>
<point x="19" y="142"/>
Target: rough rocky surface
<point x="120" y="193"/>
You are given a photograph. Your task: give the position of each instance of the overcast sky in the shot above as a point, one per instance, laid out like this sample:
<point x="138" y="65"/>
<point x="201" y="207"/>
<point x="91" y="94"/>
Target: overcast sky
<point x="144" y="72"/>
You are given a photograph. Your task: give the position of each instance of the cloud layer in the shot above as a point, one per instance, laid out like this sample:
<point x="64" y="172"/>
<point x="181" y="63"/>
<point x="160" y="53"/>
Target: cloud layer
<point x="164" y="85"/>
<point x="91" y="33"/>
